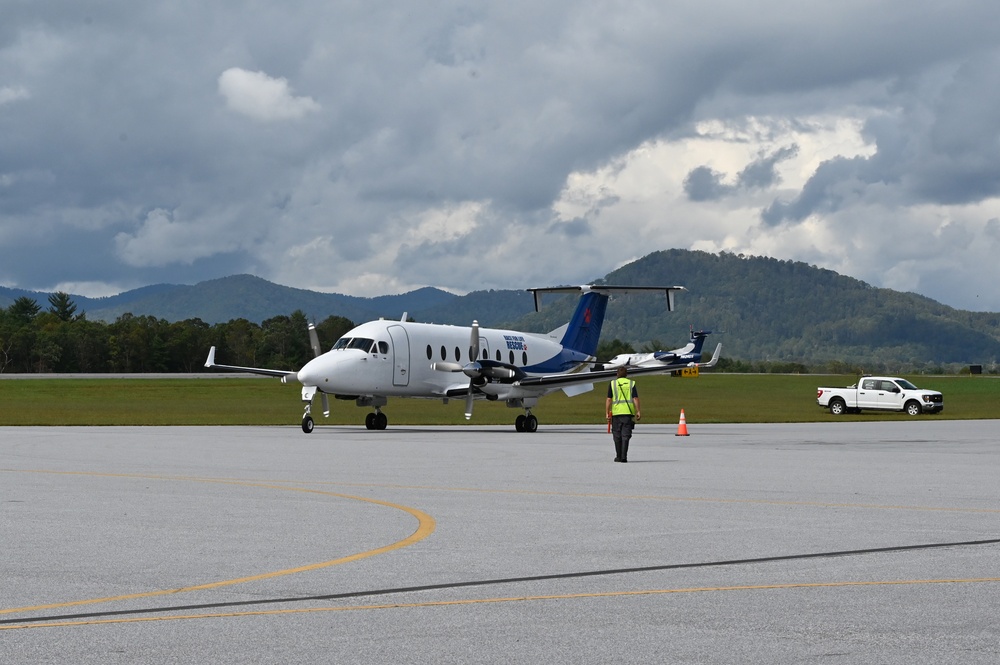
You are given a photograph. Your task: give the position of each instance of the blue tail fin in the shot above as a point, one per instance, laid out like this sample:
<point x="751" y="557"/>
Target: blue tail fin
<point x="584" y="330"/>
<point x="699" y="340"/>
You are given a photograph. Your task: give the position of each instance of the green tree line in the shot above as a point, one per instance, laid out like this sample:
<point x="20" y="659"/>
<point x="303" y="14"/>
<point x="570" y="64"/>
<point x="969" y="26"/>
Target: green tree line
<point x="60" y="340"/>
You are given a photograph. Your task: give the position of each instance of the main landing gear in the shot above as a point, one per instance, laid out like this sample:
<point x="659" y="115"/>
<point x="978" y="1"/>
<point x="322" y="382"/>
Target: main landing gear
<point x="526" y="422"/>
<point x="376" y="420"/>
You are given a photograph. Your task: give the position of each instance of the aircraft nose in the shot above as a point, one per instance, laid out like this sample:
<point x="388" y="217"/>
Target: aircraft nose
<point x="310" y="374"/>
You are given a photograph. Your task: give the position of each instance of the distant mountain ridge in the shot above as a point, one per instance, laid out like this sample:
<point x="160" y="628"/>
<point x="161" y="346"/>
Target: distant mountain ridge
<point x="791" y="311"/>
<point x="240" y="296"/>
<point x="768" y="309"/>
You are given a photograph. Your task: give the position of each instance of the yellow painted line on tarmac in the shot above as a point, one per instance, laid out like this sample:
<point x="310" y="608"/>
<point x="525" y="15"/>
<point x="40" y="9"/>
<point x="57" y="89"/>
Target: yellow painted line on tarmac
<point x="281" y="484"/>
<point x="509" y="599"/>
<point x="425" y="528"/>
<point x="662" y="497"/>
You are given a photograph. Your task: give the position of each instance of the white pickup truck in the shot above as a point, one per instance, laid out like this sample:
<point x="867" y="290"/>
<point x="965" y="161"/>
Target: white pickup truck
<point x="886" y="393"/>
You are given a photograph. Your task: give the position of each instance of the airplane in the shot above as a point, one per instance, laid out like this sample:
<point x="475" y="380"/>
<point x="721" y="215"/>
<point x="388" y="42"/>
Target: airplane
<point x="387" y="358"/>
<point x="689" y="353"/>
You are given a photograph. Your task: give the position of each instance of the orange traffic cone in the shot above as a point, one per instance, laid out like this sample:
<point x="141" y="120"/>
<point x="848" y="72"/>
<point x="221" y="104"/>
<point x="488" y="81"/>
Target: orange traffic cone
<point x="682" y="426"/>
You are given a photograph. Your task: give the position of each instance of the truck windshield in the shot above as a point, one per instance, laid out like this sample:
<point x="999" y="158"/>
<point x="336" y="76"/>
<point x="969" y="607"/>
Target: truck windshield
<point x="903" y="383"/>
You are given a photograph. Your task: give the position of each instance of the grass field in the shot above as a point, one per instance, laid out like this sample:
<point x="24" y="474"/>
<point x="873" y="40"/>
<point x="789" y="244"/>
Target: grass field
<point x="710" y="398"/>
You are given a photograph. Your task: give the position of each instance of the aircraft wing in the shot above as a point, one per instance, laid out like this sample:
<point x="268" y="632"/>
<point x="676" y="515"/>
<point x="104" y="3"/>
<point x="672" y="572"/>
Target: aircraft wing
<point x="575" y="378"/>
<point x="281" y="374"/>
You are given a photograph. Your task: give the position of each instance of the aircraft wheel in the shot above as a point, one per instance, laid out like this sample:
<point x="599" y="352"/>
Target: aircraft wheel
<point x="370" y="421"/>
<point x="531" y="424"/>
<point x="381" y="421"/>
<point x="519" y="423"/>
<point x="307" y="424"/>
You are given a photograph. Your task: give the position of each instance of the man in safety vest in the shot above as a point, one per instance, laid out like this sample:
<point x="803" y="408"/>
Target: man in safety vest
<point x="622" y="407"/>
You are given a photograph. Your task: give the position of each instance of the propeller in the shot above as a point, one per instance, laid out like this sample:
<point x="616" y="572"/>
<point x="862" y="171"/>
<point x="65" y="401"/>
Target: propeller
<point x="317" y="351"/>
<point x="476" y="369"/>
<point x="473" y="370"/>
<point x="446" y="366"/>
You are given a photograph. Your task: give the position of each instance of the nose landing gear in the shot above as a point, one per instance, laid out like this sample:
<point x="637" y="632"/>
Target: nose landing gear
<point x="308" y="424"/>
<point x="307" y="420"/>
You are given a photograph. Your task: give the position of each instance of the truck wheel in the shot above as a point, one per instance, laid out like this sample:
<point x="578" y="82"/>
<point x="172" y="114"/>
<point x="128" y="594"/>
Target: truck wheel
<point x="912" y="408"/>
<point x="837" y="406"/>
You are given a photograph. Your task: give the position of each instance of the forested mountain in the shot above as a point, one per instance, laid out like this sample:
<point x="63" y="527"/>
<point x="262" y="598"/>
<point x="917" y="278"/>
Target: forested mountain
<point x="789" y="311"/>
<point x="769" y="311"/>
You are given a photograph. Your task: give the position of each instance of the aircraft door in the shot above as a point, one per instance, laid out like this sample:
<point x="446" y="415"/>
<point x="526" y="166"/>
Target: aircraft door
<point x="400" y="356"/>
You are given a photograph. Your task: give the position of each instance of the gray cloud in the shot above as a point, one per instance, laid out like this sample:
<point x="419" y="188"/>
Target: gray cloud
<point x="939" y="147"/>
<point x="833" y="186"/>
<point x="173" y="142"/>
<point x="705" y="184"/>
<point x="761" y="173"/>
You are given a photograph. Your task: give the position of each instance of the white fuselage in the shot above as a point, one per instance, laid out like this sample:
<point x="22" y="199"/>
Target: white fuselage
<point x="395" y="358"/>
<point x="654" y="359"/>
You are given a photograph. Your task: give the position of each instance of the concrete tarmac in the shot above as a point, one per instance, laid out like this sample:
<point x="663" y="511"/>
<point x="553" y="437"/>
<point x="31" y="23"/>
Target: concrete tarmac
<point x="840" y="542"/>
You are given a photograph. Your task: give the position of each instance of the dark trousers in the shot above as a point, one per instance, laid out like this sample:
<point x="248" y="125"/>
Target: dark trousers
<point x="621" y="432"/>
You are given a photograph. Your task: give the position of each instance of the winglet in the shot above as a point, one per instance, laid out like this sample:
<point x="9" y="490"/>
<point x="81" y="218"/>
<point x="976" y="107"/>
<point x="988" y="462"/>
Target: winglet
<point x="715" y="357"/>
<point x="211" y="358"/>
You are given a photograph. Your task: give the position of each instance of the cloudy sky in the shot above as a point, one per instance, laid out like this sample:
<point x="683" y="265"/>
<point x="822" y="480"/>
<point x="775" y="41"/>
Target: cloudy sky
<point x="370" y="148"/>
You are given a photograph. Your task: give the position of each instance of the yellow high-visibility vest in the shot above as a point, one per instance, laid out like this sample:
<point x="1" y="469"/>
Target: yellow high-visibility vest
<point x="621" y="397"/>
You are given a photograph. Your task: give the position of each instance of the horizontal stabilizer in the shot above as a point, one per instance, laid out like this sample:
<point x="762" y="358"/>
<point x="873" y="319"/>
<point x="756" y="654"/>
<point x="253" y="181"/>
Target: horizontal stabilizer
<point x="610" y="290"/>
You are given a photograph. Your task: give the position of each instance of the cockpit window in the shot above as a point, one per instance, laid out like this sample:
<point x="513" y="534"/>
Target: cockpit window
<point x="361" y="343"/>
<point x="383" y="347"/>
